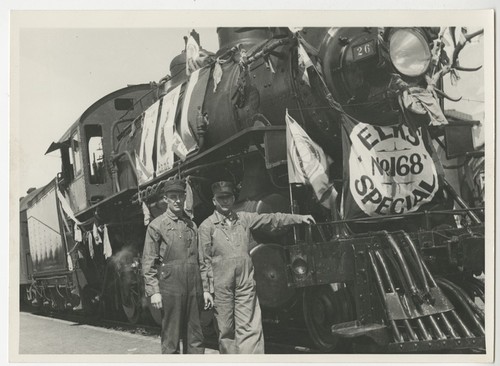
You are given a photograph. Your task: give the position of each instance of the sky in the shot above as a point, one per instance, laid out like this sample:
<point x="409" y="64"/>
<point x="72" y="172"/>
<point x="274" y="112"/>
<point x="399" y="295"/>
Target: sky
<point x="470" y="85"/>
<point x="65" y="67"/>
<point x="64" y="71"/>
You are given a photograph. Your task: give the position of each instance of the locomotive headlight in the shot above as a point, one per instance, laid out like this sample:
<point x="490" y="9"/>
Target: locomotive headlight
<point x="409" y="51"/>
<point x="299" y="266"/>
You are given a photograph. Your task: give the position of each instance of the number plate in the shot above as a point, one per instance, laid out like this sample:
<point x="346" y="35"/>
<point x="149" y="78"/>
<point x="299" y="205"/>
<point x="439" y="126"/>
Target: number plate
<point x="363" y="50"/>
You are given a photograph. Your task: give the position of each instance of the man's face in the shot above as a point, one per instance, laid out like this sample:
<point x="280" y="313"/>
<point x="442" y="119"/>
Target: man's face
<point x="175" y="201"/>
<point x="224" y="203"/>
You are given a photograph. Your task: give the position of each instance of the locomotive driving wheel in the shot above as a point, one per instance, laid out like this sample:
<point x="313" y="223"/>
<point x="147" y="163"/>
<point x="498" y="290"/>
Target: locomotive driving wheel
<point x="130" y="293"/>
<point x="90" y="300"/>
<point x="26" y="294"/>
<point x="155" y="313"/>
<point x="475" y="289"/>
<point x="324" y="306"/>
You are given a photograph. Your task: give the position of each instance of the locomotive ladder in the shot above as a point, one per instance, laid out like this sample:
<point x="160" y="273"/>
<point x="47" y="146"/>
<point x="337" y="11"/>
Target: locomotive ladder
<point x="418" y="312"/>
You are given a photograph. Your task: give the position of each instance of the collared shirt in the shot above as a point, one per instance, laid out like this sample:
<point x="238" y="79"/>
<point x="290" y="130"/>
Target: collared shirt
<point x="218" y="241"/>
<point x="226" y="220"/>
<point x="171" y="238"/>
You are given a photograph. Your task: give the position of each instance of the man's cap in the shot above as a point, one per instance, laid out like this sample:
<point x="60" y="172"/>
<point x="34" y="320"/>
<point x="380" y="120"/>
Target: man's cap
<point x="222" y="188"/>
<point x="174" y="185"/>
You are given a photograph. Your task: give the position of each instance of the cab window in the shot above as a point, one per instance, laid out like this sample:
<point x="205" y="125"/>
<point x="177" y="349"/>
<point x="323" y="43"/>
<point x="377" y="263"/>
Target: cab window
<point x="93" y="135"/>
<point x="67" y="163"/>
<point x="76" y="154"/>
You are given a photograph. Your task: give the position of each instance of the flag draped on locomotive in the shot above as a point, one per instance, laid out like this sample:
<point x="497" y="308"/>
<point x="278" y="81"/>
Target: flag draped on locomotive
<point x="341" y="123"/>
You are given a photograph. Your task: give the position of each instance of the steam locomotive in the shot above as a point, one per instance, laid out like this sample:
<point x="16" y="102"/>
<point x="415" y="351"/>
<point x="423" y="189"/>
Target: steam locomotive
<point x="392" y="263"/>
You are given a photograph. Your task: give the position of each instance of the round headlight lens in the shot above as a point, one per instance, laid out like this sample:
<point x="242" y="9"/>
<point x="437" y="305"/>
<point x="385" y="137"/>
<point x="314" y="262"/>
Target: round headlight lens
<point x="409" y="51"/>
<point x="299" y="266"/>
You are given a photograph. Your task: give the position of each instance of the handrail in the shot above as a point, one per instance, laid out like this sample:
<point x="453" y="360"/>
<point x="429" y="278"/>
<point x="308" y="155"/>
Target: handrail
<point x="113" y="128"/>
<point x="460" y="201"/>
<point x="402" y="216"/>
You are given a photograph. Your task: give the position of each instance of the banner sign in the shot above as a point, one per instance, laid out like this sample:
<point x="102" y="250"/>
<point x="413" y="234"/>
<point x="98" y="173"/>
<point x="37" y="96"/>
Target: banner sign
<point x="307" y="162"/>
<point x="164" y="143"/>
<point x="145" y="159"/>
<point x="194" y="97"/>
<point x="389" y="170"/>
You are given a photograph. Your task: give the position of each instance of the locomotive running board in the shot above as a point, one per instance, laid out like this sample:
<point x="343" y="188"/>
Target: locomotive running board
<point x="213" y="156"/>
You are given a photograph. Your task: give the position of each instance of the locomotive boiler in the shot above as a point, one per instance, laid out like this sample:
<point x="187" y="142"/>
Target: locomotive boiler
<point x="392" y="261"/>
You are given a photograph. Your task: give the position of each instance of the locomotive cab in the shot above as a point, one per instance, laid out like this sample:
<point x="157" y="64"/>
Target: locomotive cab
<point x="86" y="174"/>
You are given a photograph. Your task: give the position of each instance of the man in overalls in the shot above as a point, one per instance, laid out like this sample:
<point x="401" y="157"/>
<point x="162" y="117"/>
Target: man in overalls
<point x="227" y="269"/>
<point x="171" y="272"/>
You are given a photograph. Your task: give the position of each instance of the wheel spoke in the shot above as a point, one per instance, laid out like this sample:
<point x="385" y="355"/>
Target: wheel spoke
<point x="324" y="307"/>
<point x="130" y="296"/>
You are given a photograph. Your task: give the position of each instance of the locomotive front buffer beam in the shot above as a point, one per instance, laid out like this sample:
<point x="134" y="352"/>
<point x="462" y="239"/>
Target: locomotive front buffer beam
<point x="400" y="305"/>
